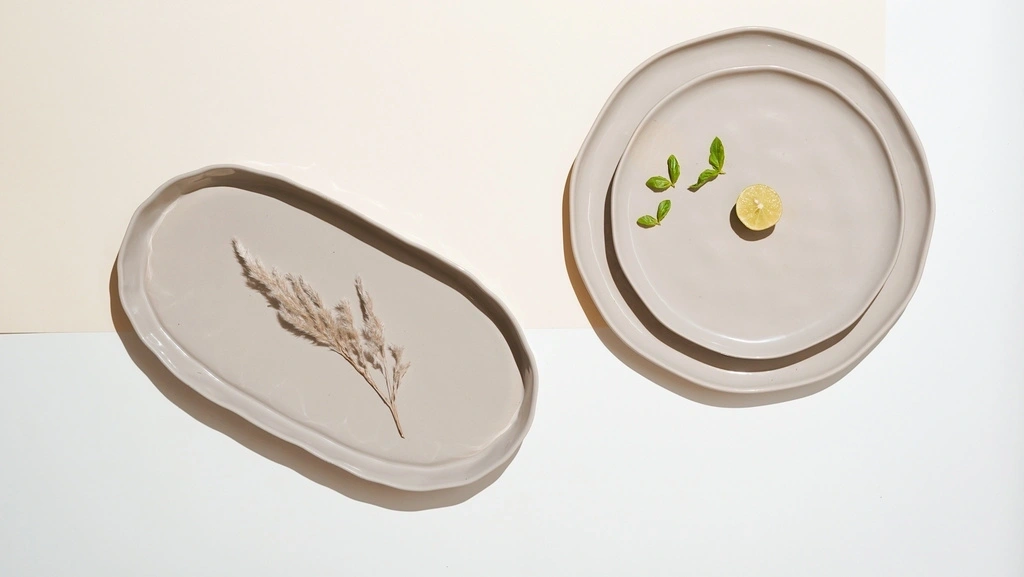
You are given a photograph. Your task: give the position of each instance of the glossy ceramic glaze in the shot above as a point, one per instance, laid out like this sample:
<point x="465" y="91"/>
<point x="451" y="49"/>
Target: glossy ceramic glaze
<point x="467" y="400"/>
<point x="590" y="215"/>
<point x="778" y="292"/>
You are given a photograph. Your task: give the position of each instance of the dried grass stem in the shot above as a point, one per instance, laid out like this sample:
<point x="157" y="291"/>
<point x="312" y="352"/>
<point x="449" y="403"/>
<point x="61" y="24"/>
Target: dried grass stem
<point x="301" y="308"/>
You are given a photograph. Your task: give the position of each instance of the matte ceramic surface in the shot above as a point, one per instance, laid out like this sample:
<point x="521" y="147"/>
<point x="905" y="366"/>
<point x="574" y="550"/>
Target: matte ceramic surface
<point x="774" y="293"/>
<point x="467" y="401"/>
<point x="590" y="226"/>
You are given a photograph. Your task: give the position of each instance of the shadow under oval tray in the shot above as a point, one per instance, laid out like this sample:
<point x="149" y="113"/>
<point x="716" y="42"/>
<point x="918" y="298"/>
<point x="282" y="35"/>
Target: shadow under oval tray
<point x="326" y="330"/>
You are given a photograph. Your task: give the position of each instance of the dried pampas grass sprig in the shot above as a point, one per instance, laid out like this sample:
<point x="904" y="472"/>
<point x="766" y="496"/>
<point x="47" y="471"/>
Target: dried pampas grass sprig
<point x="301" y="308"/>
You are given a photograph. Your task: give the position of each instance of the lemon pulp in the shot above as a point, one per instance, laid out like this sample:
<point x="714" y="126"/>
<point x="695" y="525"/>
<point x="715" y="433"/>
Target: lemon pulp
<point x="759" y="207"/>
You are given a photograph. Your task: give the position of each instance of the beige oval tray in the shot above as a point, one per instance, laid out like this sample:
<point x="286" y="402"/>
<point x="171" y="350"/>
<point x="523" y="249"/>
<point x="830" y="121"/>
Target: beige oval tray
<point x="590" y="223"/>
<point x="464" y="405"/>
<point x="772" y="294"/>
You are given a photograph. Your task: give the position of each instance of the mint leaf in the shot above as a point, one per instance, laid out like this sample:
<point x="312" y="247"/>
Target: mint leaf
<point x="658" y="183"/>
<point x="717" y="157"/>
<point x="704" y="178"/>
<point x="673" y="169"/>
<point x="647" y="221"/>
<point x="663" y="209"/>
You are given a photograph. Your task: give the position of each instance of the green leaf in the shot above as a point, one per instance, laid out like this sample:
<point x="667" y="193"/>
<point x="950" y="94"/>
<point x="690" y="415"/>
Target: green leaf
<point x="673" y="169"/>
<point x="658" y="183"/>
<point x="704" y="178"/>
<point x="663" y="209"/>
<point x="647" y="221"/>
<point x="717" y="158"/>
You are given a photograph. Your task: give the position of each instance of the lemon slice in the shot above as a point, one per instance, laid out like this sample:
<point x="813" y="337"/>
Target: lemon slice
<point x="759" y="207"/>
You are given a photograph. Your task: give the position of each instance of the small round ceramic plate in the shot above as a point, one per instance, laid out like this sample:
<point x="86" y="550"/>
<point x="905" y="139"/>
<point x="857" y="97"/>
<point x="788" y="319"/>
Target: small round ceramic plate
<point x="772" y="293"/>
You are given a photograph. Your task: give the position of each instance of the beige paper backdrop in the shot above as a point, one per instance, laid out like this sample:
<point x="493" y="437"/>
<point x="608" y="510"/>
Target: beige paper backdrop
<point x="454" y="123"/>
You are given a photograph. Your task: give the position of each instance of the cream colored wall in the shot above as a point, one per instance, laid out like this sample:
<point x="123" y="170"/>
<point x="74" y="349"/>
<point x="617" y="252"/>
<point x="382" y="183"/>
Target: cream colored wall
<point x="453" y="124"/>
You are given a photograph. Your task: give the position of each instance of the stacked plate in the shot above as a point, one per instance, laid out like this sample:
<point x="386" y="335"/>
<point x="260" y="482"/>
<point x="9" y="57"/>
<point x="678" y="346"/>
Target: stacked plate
<point x="701" y="295"/>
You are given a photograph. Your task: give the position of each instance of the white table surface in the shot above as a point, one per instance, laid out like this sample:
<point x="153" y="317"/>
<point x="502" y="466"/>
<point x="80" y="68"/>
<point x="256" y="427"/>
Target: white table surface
<point x="911" y="465"/>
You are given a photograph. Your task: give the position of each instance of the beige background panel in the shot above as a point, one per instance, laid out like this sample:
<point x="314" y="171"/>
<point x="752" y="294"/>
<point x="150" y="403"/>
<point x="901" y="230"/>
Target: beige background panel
<point x="453" y="123"/>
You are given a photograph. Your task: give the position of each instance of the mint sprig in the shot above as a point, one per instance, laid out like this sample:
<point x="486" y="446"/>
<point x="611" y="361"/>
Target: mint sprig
<point x="716" y="159"/>
<point x="660" y="183"/>
<point x="648" y="221"/>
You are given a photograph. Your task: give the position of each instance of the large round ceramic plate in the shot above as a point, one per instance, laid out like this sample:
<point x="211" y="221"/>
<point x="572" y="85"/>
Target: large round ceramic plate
<point x="703" y="274"/>
<point x="590" y="221"/>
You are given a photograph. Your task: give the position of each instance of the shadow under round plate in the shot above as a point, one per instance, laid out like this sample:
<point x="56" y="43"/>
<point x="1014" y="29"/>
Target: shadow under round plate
<point x="828" y="257"/>
<point x="590" y="226"/>
<point x="467" y="400"/>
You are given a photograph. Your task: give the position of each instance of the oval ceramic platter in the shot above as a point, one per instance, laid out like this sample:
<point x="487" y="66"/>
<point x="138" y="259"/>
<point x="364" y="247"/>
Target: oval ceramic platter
<point x="771" y="294"/>
<point x="326" y="330"/>
<point x="660" y="325"/>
